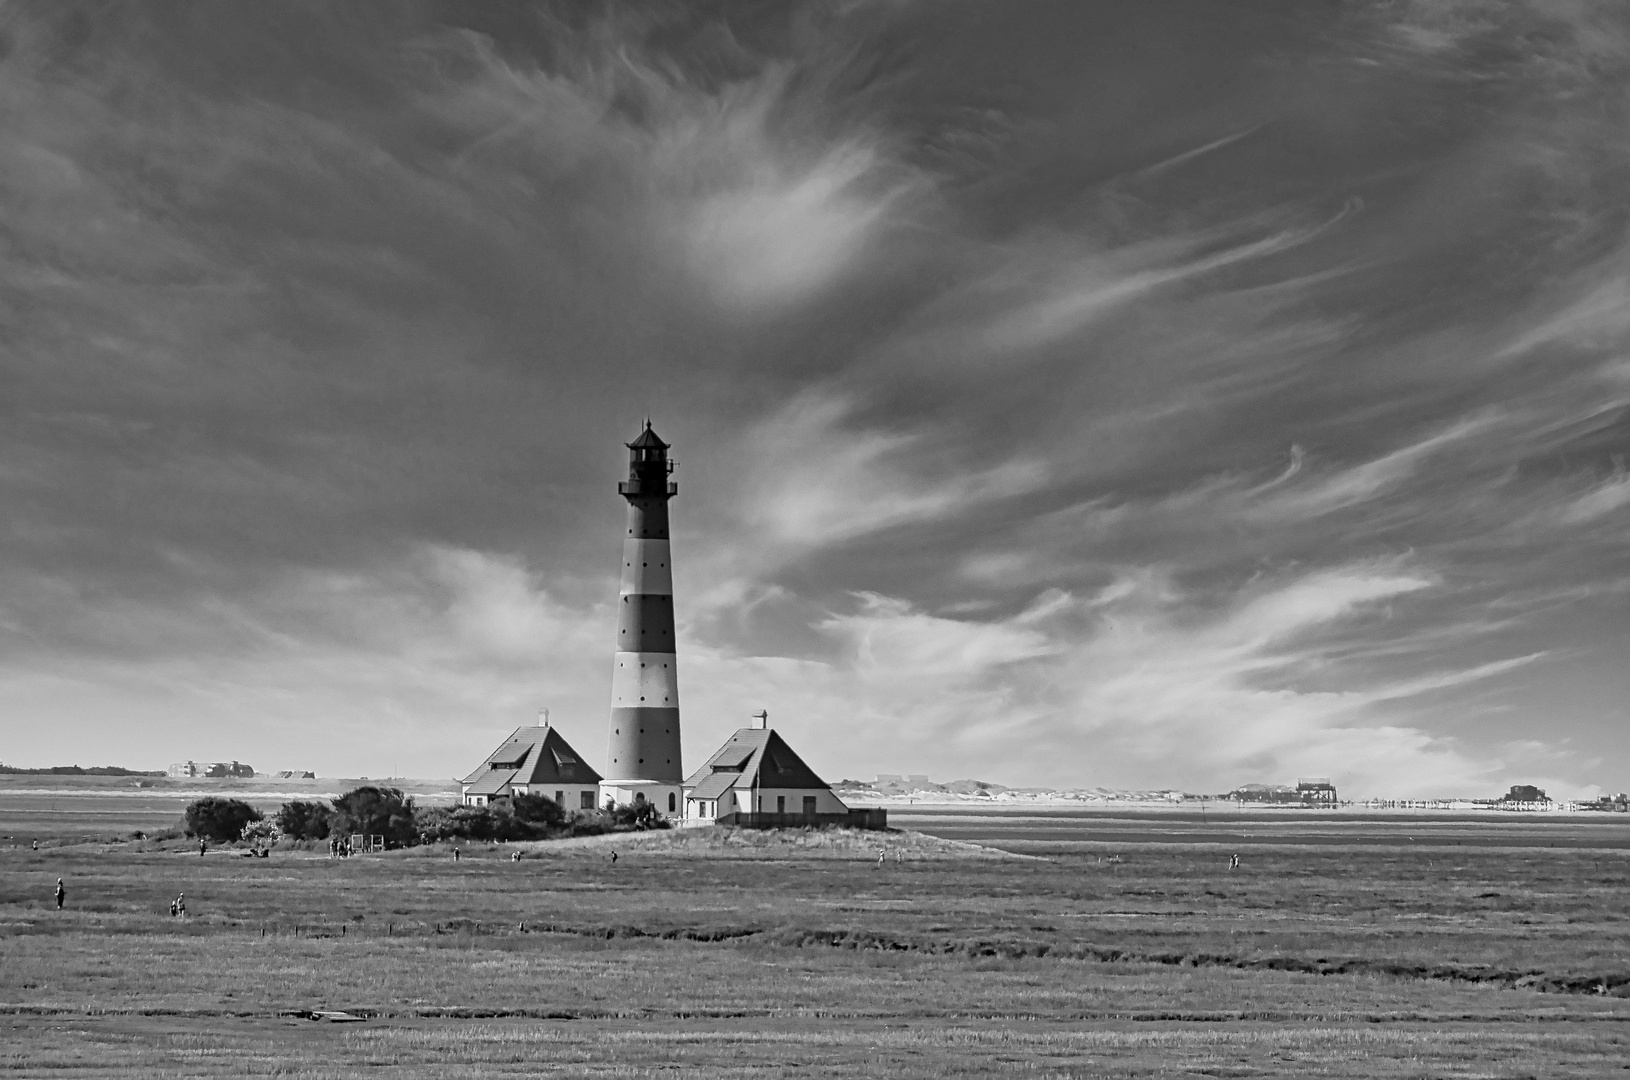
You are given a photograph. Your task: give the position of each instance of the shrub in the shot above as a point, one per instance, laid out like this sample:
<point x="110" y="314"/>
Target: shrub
<point x="454" y="823"/>
<point x="263" y="830"/>
<point x="305" y="820"/>
<point x="525" y="819"/>
<point x="641" y="815"/>
<point x="220" y="820"/>
<point x="376" y="811"/>
<point x="537" y="810"/>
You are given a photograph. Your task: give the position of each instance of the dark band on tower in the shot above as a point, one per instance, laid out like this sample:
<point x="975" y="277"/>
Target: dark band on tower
<point x="645" y="679"/>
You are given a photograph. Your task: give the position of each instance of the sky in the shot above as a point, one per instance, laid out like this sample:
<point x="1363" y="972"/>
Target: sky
<point x="1135" y="394"/>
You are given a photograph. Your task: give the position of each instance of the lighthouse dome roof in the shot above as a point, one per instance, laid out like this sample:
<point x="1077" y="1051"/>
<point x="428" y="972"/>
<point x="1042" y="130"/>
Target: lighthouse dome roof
<point x="647" y="439"/>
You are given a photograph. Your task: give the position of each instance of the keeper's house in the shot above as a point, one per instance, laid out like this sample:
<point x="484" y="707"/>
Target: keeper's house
<point x="534" y="761"/>
<point x="755" y="779"/>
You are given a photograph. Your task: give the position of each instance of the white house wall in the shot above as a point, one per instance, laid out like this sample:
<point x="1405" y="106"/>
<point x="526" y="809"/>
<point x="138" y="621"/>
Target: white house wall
<point x="825" y="801"/>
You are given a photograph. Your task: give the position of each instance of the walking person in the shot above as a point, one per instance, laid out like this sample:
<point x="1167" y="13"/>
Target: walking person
<point x="455" y="854"/>
<point x="203" y="846"/>
<point x="61" y="894"/>
<point x="180" y="904"/>
<point x="882" y="853"/>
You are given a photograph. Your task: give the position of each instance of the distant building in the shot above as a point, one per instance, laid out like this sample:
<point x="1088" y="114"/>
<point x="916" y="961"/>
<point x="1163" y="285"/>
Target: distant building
<point x="214" y="770"/>
<point x="1316" y="791"/>
<point x="756" y="772"/>
<point x="1525" y="793"/>
<point x="533" y="761"/>
<point x="296" y="774"/>
<point x="1265" y="793"/>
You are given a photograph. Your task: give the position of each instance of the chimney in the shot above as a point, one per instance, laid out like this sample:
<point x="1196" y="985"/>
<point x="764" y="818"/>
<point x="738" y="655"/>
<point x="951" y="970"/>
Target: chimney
<point x="761" y="720"/>
<point x="543" y="717"/>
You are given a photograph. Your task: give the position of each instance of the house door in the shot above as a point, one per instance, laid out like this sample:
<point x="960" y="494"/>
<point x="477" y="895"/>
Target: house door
<point x="809" y="805"/>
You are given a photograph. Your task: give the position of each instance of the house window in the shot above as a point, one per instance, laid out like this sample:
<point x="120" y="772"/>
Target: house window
<point x="673" y="802"/>
<point x="809" y="805"/>
<point x="781" y="804"/>
<point x="585" y="800"/>
<point x="560" y="798"/>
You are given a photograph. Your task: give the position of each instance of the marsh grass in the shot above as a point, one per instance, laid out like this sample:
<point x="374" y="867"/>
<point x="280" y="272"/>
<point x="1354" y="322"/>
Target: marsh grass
<point x="747" y="955"/>
<point x="186" y="1048"/>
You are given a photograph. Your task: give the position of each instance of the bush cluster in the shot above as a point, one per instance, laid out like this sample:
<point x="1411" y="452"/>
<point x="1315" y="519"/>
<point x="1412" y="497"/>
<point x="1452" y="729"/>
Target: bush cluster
<point x="387" y="812"/>
<point x="305" y="820"/>
<point x="220" y="820"/>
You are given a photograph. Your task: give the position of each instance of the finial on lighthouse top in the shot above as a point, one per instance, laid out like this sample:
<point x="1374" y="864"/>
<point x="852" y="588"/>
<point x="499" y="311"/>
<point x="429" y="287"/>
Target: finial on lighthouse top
<point x="543" y="717"/>
<point x="761" y="720"/>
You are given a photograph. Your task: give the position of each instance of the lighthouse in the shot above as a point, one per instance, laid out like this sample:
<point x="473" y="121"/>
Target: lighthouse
<point x="643" y="763"/>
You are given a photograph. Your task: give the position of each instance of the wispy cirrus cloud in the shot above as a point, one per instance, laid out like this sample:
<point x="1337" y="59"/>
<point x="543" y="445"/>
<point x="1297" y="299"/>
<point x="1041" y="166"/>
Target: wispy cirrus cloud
<point x="1075" y="392"/>
<point x="1128" y="688"/>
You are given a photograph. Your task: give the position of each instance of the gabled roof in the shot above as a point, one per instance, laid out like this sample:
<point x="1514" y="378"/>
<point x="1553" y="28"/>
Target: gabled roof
<point x="534" y="755"/>
<point x="491" y="782"/>
<point x="756" y="757"/>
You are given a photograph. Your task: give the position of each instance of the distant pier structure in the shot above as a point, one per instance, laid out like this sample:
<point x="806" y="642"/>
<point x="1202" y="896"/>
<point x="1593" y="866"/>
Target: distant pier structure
<point x="643" y="763"/>
<point x="1317" y="791"/>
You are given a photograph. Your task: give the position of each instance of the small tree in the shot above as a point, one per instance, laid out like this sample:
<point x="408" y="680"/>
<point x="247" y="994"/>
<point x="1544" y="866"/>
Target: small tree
<point x="305" y="820"/>
<point x="220" y="820"/>
<point x="376" y="811"/>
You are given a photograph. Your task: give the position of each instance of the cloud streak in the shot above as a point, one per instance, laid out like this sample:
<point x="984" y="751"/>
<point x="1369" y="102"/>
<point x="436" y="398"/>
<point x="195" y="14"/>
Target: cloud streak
<point x="1074" y="395"/>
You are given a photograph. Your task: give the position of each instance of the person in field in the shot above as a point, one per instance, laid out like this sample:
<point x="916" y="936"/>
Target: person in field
<point x="455" y="855"/>
<point x="180" y="904"/>
<point x="203" y="846"/>
<point x="61" y="894"/>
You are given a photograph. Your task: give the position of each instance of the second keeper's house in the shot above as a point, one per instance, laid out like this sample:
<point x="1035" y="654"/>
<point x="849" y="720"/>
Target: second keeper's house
<point x="756" y="772"/>
<point x="534" y="761"/>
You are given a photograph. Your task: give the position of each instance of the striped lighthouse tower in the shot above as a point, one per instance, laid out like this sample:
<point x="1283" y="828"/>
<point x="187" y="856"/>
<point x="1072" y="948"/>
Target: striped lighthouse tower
<point x="643" y="763"/>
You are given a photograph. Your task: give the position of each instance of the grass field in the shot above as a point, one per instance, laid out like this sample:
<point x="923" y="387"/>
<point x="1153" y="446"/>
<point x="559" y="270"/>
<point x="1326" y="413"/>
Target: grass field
<point x="1492" y="954"/>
